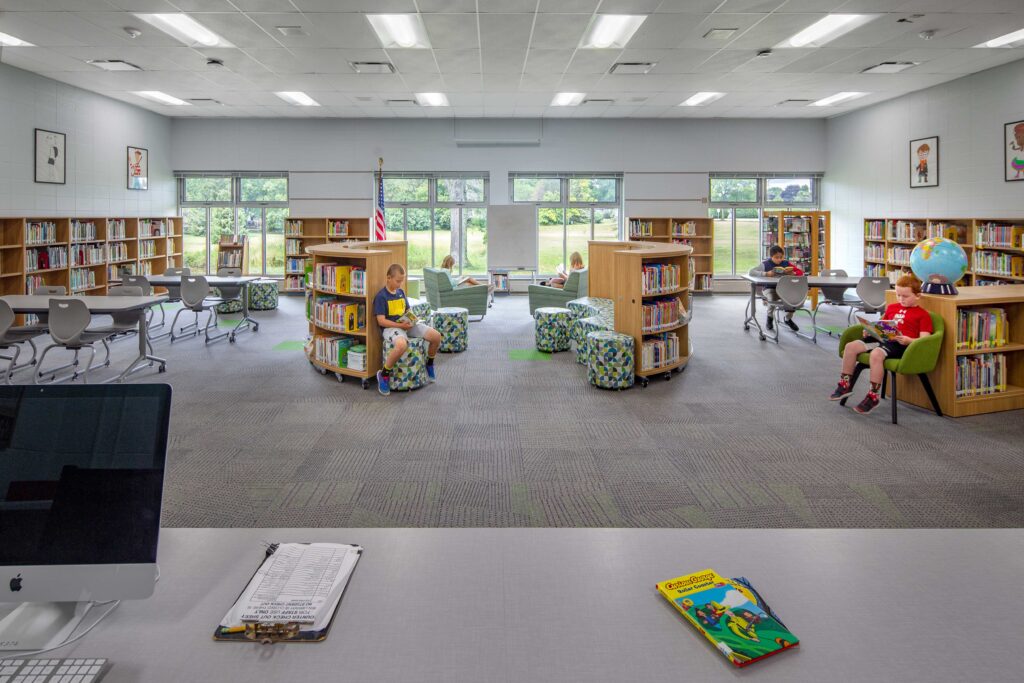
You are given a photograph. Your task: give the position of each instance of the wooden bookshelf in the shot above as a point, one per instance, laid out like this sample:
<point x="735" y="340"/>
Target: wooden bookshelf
<point x="52" y="275"/>
<point x="804" y="235"/>
<point x="88" y="256"/>
<point x="122" y="248"/>
<point x="175" y="242"/>
<point x="299" y="235"/>
<point x="943" y="378"/>
<point x="1011" y="250"/>
<point x="374" y="258"/>
<point x="695" y="232"/>
<point x="342" y="229"/>
<point x="233" y="252"/>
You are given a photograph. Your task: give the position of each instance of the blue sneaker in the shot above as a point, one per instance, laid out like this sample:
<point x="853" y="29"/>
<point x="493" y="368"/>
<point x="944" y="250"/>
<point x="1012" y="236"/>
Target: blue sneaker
<point x="430" y="373"/>
<point x="383" y="383"/>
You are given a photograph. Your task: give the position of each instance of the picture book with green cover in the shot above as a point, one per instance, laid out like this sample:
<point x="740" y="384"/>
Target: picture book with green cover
<point x="882" y="330"/>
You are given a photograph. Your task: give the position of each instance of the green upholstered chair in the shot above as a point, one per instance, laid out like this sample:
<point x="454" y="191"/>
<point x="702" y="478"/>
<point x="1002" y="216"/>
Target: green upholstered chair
<point x="919" y="359"/>
<point x="440" y="293"/>
<point x="547" y="297"/>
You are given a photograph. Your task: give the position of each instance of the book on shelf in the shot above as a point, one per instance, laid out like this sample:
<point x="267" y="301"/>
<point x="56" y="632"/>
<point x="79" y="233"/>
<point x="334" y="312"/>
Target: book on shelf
<point x="229" y="259"/>
<point x="334" y="350"/>
<point x="151" y="228"/>
<point x="337" y="228"/>
<point x="731" y="614"/>
<point x="661" y="277"/>
<point x="882" y="330"/>
<point x="355" y="317"/>
<point x="661" y="313"/>
<point x="293" y="247"/>
<point x="40" y="232"/>
<point x="687" y="229"/>
<point x="147" y="249"/>
<point x="48" y="258"/>
<point x="357" y="358"/>
<point x="998" y="263"/>
<point x="660" y="351"/>
<point x="980" y="375"/>
<point x="293" y="228"/>
<point x="88" y="254"/>
<point x="82" y="279"/>
<point x="1005" y="235"/>
<point x="116" y="229"/>
<point x="874" y="251"/>
<point x="947" y="231"/>
<point x="874" y="230"/>
<point x="899" y="255"/>
<point x="82" y="231"/>
<point x="639" y="228"/>
<point x="874" y="270"/>
<point x="293" y="282"/>
<point x="294" y="265"/>
<point x="703" y="282"/>
<point x="145" y="268"/>
<point x="907" y="231"/>
<point x="988" y="282"/>
<point x="981" y="328"/>
<point x="229" y="241"/>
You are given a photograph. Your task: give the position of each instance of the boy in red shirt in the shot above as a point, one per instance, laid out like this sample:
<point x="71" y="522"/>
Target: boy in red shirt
<point x="910" y="319"/>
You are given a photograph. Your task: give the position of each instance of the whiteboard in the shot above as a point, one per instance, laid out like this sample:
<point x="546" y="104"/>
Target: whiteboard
<point x="512" y="237"/>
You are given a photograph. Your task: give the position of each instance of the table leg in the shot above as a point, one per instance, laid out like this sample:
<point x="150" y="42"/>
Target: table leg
<point x="752" y="313"/>
<point x="144" y="359"/>
<point x="246" y="321"/>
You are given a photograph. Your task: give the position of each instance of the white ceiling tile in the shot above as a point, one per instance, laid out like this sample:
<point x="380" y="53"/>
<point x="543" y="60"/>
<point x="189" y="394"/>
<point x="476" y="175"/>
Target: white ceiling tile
<point x="820" y="58"/>
<point x="424" y="82"/>
<point x="466" y="83"/>
<point x="629" y="6"/>
<point x="505" y="31"/>
<point x="546" y="83"/>
<point x="458" y="61"/>
<point x="592" y="61"/>
<point x="270" y="22"/>
<point x="774" y="29"/>
<point x="409" y="61"/>
<point x="547" y="61"/>
<point x="452" y="31"/>
<point x="568" y="6"/>
<point x="383" y="6"/>
<point x="500" y="83"/>
<point x="688" y="7"/>
<point x="343" y="30"/>
<point x="466" y="99"/>
<point x="506" y="6"/>
<point x="554" y="31"/>
<point x="529" y="112"/>
<point x="504" y="61"/>
<point x="262" y="6"/>
<point x="446" y="6"/>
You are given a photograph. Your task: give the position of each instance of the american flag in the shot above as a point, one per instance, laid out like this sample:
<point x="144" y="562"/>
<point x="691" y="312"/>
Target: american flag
<point x="378" y="214"/>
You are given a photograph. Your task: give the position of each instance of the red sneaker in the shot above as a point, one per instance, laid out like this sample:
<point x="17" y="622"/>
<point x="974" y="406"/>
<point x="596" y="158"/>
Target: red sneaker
<point x="869" y="403"/>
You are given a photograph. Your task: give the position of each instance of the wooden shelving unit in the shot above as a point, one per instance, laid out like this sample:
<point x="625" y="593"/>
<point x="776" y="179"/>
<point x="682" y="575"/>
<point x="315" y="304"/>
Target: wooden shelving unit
<point x="1010" y="251"/>
<point x="374" y="258"/>
<point x="299" y="235"/>
<point x="152" y="245"/>
<point x="50" y="276"/>
<point x="233" y="252"/>
<point x="943" y="379"/>
<point x="175" y="242"/>
<point x="88" y="256"/>
<point x="804" y="235"/>
<point x="695" y="232"/>
<point x="347" y="229"/>
<point x="122" y="248"/>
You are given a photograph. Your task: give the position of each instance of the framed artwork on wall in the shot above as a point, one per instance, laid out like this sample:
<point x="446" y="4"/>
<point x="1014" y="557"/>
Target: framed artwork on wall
<point x="924" y="162"/>
<point x="50" y="157"/>
<point x="138" y="168"/>
<point x="1013" y="151"/>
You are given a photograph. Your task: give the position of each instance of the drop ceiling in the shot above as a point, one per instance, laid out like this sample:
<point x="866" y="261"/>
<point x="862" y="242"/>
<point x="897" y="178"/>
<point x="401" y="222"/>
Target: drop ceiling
<point x="507" y="58"/>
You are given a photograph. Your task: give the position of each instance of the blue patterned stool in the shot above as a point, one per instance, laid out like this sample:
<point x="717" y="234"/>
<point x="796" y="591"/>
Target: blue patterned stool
<point x="587" y="306"/>
<point x="421" y="307"/>
<point x="233" y="306"/>
<point x="453" y="324"/>
<point x="552" y="326"/>
<point x="410" y="372"/>
<point x="610" y="360"/>
<point x="263" y="295"/>
<point x="581" y="327"/>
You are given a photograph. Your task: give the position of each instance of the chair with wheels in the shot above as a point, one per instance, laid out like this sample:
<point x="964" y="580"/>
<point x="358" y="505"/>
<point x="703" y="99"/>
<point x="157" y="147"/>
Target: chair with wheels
<point x="231" y="297"/>
<point x="870" y="296"/>
<point x="195" y="291"/>
<point x="69" y="329"/>
<point x="12" y="337"/>
<point x="173" y="291"/>
<point x="791" y="293"/>
<point x="919" y="359"/>
<point x="123" y="324"/>
<point x="831" y="296"/>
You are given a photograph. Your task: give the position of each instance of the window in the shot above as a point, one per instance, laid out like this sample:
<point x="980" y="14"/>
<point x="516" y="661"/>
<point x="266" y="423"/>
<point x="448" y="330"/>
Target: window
<point x="460" y="190"/>
<point x="207" y="190"/>
<point x="406" y="190"/>
<point x="789" y="191"/>
<point x="734" y="190"/>
<point x="572" y="210"/>
<point x="263" y="190"/>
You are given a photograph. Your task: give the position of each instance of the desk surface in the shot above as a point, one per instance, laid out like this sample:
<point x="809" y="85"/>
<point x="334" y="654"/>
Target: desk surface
<point x="812" y="280"/>
<point x="40" y="303"/>
<point x="580" y="605"/>
<point x="212" y="280"/>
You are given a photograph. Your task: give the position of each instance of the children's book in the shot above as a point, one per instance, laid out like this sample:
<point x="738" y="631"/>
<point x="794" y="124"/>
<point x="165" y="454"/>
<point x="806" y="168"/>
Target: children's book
<point x="409" y="317"/>
<point x="731" y="614"/>
<point x="882" y="330"/>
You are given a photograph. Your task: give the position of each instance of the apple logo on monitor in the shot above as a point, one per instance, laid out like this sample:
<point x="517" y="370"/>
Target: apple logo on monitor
<point x="16" y="583"/>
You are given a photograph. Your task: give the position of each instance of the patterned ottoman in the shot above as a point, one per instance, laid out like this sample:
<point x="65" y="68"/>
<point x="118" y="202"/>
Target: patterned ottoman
<point x="263" y="295"/>
<point x="581" y="327"/>
<point x="453" y="324"/>
<point x="588" y="306"/>
<point x="610" y="360"/>
<point x="421" y="307"/>
<point x="552" y="326"/>
<point x="410" y="372"/>
<point x="233" y="306"/>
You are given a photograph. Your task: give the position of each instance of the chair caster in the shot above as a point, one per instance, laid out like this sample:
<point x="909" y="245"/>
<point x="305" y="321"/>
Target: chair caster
<point x="668" y="375"/>
<point x="746" y="328"/>
<point x="256" y="327"/>
<point x="763" y="338"/>
<point x="365" y="384"/>
<point x="162" y="368"/>
<point x="231" y="339"/>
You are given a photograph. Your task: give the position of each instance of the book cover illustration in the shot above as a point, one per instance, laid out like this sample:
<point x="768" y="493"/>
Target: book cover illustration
<point x="882" y="330"/>
<point x="731" y="614"/>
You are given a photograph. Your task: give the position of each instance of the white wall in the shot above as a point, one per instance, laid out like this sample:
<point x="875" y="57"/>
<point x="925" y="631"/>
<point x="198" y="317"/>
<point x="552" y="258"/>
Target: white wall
<point x="868" y="172"/>
<point x="98" y="131"/>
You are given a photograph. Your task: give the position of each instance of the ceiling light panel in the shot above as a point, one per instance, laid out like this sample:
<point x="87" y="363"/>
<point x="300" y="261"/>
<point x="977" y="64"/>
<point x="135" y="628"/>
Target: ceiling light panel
<point x="720" y="33"/>
<point x="432" y="99"/>
<point x="631" y="68"/>
<point x="7" y="40"/>
<point x="113" y="65"/>
<point x="838" y="98"/>
<point x="568" y="99"/>
<point x="373" y="67"/>
<point x="1015" y="39"/>
<point x="160" y="97"/>
<point x="298" y="98"/>
<point x="826" y="30"/>
<point x="702" y="98"/>
<point x="184" y="28"/>
<point x="400" y="30"/>
<point x="611" y="31"/>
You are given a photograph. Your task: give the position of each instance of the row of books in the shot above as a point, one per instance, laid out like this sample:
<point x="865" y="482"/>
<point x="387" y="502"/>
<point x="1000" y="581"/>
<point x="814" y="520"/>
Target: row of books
<point x="795" y="224"/>
<point x="293" y="247"/>
<point x="687" y="229"/>
<point x="986" y="282"/>
<point x="661" y="313"/>
<point x="114" y="272"/>
<point x="657" y="352"/>
<point x="337" y="228"/>
<point x="46" y="258"/>
<point x="874" y="251"/>
<point x="118" y="251"/>
<point x="874" y="230"/>
<point x="229" y="259"/>
<point x="33" y="282"/>
<point x="335" y="351"/>
<point x="145" y="268"/>
<point x="907" y="231"/>
<point x="147" y="249"/>
<point x="500" y="282"/>
<point x="341" y="316"/>
<point x="874" y="270"/>
<point x="82" y="278"/>
<point x="342" y="279"/>
<point x="88" y="254"/>
<point x="703" y="282"/>
<point x="957" y="233"/>
<point x="294" y="282"/>
<point x="661" y="277"/>
<point x="1000" y="235"/>
<point x="639" y="228"/>
<point x="151" y="228"/>
<point x="899" y="255"/>
<point x="116" y="229"/>
<point x="995" y="263"/>
<point x="981" y="374"/>
<point x="294" y="265"/>
<point x="83" y="231"/>
<point x="981" y="328"/>
<point x="40" y="232"/>
<point x="293" y="228"/>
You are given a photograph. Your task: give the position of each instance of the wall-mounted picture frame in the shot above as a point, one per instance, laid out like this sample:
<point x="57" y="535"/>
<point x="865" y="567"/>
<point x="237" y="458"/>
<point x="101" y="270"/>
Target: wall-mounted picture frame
<point x="924" y="162"/>
<point x="50" y="152"/>
<point x="138" y="168"/>
<point x="1013" y="151"/>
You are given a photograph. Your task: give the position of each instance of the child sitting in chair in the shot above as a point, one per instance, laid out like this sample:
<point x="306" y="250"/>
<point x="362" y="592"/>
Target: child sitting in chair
<point x="448" y="263"/>
<point x="575" y="263"/>
<point x="777" y="265"/>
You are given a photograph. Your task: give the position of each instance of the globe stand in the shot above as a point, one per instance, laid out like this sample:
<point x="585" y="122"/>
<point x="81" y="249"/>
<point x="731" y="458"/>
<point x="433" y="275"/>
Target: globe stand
<point x="938" y="288"/>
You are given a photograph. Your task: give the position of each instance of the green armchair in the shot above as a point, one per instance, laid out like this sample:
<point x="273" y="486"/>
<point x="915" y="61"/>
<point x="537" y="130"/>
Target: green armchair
<point x="440" y="293"/>
<point x="575" y="287"/>
<point x="919" y="359"/>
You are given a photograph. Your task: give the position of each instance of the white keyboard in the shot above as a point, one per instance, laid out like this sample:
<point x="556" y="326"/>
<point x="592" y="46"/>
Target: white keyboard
<point x="52" y="670"/>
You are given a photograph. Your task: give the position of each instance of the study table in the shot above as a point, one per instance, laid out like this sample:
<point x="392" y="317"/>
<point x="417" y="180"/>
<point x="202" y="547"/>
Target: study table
<point x="563" y="605"/>
<point x="771" y="282"/>
<point x="101" y="305"/>
<point x="218" y="281"/>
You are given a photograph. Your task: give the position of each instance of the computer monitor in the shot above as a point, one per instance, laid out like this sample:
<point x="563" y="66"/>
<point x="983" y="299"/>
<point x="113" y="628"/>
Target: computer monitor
<point x="81" y="481"/>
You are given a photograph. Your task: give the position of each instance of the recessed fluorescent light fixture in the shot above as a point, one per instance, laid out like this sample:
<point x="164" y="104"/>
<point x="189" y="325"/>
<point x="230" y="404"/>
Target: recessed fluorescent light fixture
<point x="113" y="65"/>
<point x="568" y="99"/>
<point x="838" y="98"/>
<point x="432" y="99"/>
<point x="702" y="98"/>
<point x="611" y="31"/>
<point x="889" y="67"/>
<point x="826" y="30"/>
<point x="373" y="67"/>
<point x="297" y="98"/>
<point x="400" y="30"/>
<point x="628" y="68"/>
<point x="7" y="40"/>
<point x="719" y="33"/>
<point x="291" y="30"/>
<point x="161" y="97"/>
<point x="186" y="29"/>
<point x="1009" y="40"/>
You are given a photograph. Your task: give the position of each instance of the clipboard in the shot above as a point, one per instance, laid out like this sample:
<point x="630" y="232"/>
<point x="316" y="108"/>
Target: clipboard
<point x="273" y="631"/>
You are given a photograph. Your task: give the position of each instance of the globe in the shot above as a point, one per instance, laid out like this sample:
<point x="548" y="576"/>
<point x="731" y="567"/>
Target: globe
<point x="938" y="263"/>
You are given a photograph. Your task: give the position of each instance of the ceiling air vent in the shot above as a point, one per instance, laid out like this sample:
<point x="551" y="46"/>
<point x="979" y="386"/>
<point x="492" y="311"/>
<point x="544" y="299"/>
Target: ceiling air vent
<point x="889" y="67"/>
<point x="629" y="68"/>
<point x="113" y="65"/>
<point x="793" y="103"/>
<point x="597" y="100"/>
<point x="206" y="101"/>
<point x="401" y="103"/>
<point x="373" y="67"/>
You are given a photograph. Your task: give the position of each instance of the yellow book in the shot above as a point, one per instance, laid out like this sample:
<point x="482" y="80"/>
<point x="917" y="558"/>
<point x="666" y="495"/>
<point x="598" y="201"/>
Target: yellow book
<point x="342" y="274"/>
<point x="351" y="320"/>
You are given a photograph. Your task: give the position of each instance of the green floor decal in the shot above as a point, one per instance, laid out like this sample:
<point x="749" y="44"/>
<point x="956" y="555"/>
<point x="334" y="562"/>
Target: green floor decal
<point x="290" y="346"/>
<point x="528" y="354"/>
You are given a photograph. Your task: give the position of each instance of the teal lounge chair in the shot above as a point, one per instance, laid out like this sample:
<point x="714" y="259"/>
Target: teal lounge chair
<point x="575" y="287"/>
<point x="440" y="293"/>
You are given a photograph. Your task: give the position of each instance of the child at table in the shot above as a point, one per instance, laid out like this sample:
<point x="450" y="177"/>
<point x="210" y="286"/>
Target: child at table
<point x="911" y="320"/>
<point x="777" y="265"/>
<point x="389" y="306"/>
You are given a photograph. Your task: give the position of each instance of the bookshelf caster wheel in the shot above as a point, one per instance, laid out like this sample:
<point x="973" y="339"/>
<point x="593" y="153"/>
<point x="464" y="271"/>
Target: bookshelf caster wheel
<point x="341" y="377"/>
<point x="323" y="371"/>
<point x="644" y="382"/>
<point x="668" y="376"/>
<point x="365" y="384"/>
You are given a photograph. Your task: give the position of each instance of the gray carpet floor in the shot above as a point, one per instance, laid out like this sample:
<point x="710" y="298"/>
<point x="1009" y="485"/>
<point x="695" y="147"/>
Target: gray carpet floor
<point x="745" y="437"/>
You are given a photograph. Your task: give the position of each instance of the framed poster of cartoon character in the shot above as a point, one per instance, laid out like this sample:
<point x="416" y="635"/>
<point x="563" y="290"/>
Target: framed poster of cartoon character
<point x="138" y="168"/>
<point x="50" y="157"/>
<point x="1013" y="151"/>
<point x="924" y="162"/>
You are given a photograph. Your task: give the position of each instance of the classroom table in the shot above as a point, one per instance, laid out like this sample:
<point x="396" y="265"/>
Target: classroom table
<point x="101" y="305"/>
<point x="218" y="281"/>
<point x="771" y="282"/>
<point x="571" y="605"/>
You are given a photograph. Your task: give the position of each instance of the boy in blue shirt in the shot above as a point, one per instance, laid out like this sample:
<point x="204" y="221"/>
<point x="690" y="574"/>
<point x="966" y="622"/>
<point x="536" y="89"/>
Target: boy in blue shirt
<point x="389" y="306"/>
<point x="775" y="265"/>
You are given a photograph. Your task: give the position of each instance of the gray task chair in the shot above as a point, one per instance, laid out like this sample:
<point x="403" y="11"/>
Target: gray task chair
<point x="173" y="291"/>
<point x="831" y="296"/>
<point x="146" y="289"/>
<point x="870" y="296"/>
<point x="41" y="318"/>
<point x="229" y="293"/>
<point x="123" y="324"/>
<point x="69" y="323"/>
<point x="11" y="337"/>
<point x="195" y="292"/>
<point x="791" y="293"/>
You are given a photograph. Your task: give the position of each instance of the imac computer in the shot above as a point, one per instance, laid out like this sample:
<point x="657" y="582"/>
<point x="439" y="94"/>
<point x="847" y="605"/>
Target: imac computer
<point x="81" y="481"/>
